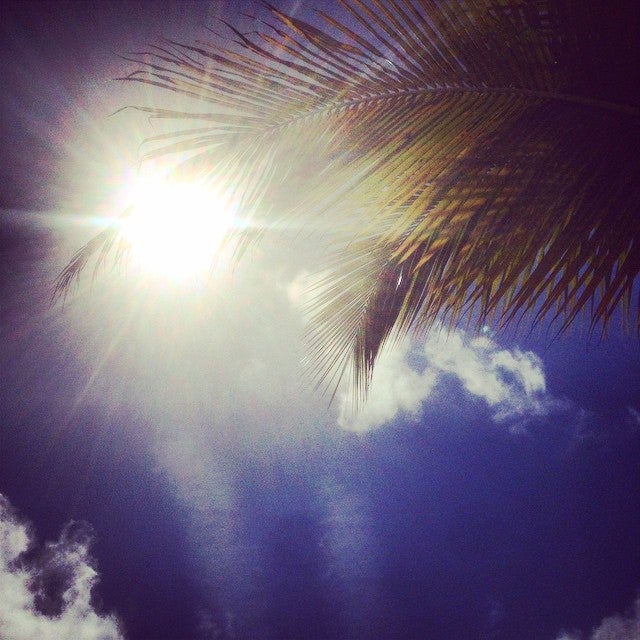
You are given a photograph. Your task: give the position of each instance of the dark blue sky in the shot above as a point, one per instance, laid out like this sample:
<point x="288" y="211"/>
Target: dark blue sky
<point x="224" y="498"/>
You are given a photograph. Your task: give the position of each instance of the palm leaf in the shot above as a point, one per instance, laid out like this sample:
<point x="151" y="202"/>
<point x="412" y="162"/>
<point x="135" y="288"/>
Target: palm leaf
<point x="474" y="158"/>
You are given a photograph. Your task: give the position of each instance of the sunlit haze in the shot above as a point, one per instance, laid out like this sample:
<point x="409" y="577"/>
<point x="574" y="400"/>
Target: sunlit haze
<point x="175" y="228"/>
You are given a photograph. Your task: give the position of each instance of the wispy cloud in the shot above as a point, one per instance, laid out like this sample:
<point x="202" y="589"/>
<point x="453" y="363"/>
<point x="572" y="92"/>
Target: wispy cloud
<point x="634" y="416"/>
<point x="616" y="627"/>
<point x="511" y="382"/>
<point x="49" y="597"/>
<point x="351" y="554"/>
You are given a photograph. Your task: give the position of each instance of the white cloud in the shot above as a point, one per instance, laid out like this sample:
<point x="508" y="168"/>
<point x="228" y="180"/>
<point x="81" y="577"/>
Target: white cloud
<point x="396" y="387"/>
<point x="511" y="382"/>
<point x="617" y="627"/>
<point x="49" y="598"/>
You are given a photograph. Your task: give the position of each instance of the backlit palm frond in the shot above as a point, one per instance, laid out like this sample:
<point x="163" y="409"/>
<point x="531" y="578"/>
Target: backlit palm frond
<point x="99" y="247"/>
<point x="475" y="157"/>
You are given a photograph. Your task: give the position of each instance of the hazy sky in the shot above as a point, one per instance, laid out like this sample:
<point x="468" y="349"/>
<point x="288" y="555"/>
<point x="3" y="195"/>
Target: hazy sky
<point x="168" y="473"/>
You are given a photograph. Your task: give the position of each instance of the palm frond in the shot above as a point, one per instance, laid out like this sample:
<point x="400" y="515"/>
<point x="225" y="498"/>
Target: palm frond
<point x="478" y="158"/>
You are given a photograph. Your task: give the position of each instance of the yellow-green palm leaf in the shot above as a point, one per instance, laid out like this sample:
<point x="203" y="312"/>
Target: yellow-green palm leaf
<point x="474" y="158"/>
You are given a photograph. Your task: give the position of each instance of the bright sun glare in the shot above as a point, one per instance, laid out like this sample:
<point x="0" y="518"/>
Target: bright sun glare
<point x="175" y="228"/>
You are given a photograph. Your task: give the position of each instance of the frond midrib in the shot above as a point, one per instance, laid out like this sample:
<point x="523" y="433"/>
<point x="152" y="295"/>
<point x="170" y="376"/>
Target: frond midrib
<point x="535" y="94"/>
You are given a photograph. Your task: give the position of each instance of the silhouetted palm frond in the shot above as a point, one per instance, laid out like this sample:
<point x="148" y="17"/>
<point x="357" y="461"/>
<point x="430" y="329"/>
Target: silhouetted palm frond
<point x="478" y="157"/>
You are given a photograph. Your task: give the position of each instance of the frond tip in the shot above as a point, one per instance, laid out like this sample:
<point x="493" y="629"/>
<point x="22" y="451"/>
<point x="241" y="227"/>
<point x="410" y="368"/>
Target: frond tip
<point x="98" y="248"/>
<point x="478" y="158"/>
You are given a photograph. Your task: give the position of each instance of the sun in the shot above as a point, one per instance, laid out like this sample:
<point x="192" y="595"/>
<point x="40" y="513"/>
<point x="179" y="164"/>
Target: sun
<point x="175" y="229"/>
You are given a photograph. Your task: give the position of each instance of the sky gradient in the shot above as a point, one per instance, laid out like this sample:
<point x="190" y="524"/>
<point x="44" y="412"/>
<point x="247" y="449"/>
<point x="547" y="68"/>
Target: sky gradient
<point x="167" y="473"/>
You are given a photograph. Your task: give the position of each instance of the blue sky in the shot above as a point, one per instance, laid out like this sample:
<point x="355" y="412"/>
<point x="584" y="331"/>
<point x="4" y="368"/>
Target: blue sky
<point x="167" y="472"/>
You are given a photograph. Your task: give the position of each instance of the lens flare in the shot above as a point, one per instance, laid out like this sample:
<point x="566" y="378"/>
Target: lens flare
<point x="175" y="229"/>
